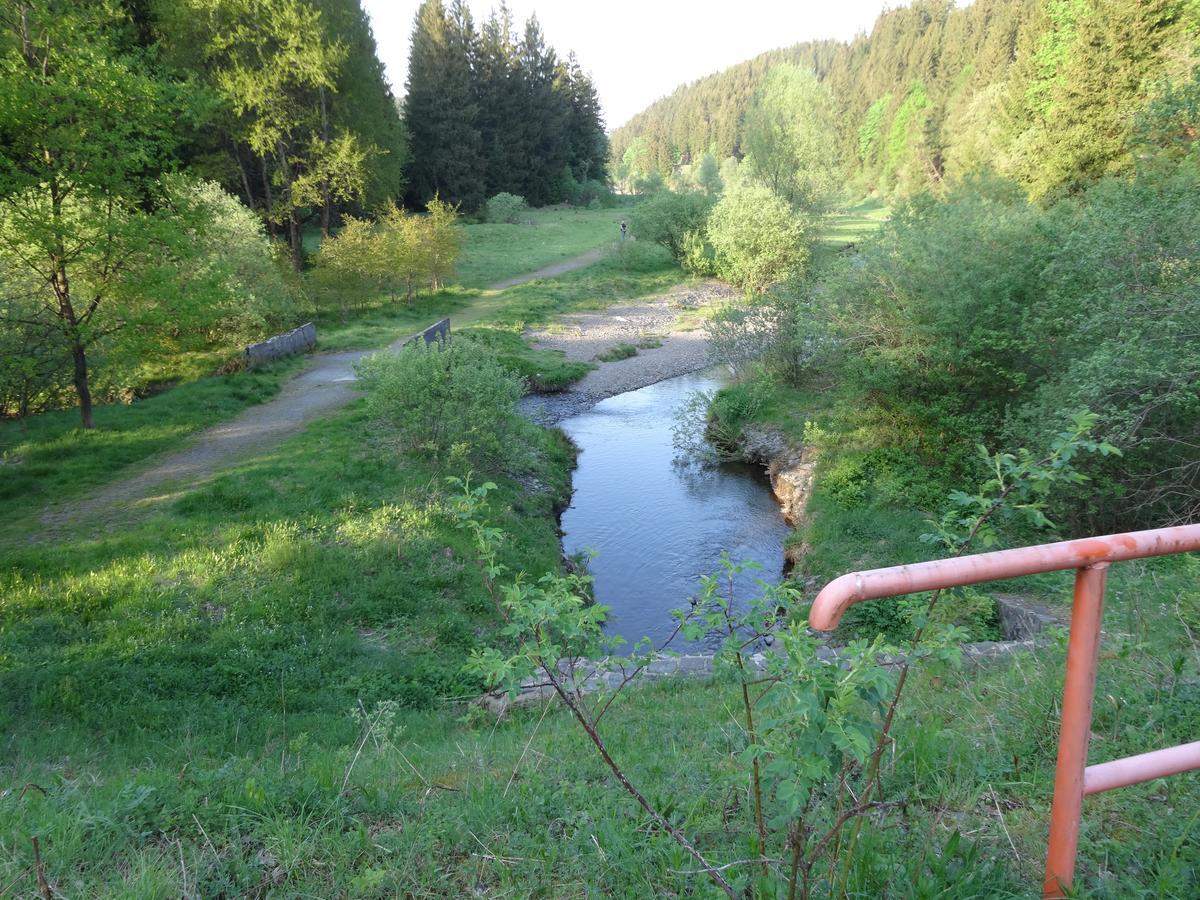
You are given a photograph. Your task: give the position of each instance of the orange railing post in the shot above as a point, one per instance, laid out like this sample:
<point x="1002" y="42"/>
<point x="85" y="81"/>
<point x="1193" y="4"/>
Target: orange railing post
<point x="1083" y="649"/>
<point x="1090" y="557"/>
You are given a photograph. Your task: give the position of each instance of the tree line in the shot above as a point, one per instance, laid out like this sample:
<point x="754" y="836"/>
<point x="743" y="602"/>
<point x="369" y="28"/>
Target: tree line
<point x="1041" y="90"/>
<point x="490" y="110"/>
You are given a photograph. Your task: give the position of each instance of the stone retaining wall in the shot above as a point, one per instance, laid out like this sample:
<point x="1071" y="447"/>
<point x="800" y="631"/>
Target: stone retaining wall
<point x="298" y="340"/>
<point x="1022" y="624"/>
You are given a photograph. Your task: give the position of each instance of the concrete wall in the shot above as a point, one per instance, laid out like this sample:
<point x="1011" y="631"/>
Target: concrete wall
<point x="438" y="332"/>
<point x="299" y="340"/>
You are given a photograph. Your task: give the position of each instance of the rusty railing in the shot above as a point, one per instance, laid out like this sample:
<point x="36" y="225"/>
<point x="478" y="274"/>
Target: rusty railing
<point x="1090" y="558"/>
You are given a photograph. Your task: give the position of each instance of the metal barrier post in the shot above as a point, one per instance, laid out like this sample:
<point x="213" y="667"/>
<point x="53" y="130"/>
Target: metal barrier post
<point x="1083" y="648"/>
<point x="1089" y="557"/>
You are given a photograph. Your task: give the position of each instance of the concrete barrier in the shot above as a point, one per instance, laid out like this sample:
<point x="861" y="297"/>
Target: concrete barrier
<point x="298" y="340"/>
<point x="438" y="332"/>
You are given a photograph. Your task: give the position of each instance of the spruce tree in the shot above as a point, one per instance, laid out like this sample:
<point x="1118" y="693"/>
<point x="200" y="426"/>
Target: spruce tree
<point x="588" y="144"/>
<point x="440" y="109"/>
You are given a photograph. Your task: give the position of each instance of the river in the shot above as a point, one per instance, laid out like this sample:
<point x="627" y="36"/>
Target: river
<point x="657" y="524"/>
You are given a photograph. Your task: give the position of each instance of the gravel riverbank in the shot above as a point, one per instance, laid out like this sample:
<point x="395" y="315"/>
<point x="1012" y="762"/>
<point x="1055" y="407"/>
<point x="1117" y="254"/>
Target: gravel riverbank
<point x="656" y="320"/>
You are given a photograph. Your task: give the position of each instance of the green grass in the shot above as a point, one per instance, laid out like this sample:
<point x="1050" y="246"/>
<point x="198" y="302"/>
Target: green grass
<point x="494" y="253"/>
<point x="50" y="457"/>
<point x="499" y="319"/>
<point x="256" y="773"/>
<point x="183" y="698"/>
<point x="616" y="352"/>
<point x="847" y="228"/>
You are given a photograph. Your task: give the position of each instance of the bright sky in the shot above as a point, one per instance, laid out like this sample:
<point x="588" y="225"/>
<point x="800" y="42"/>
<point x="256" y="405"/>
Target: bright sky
<point x="640" y="50"/>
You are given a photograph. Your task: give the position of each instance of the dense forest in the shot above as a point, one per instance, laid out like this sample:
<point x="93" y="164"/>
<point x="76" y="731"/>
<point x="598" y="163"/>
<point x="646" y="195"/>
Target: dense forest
<point x="1041" y="90"/>
<point x="490" y="111"/>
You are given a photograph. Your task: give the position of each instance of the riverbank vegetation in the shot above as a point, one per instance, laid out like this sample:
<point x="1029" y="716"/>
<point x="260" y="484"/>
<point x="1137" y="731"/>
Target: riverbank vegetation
<point x="151" y="228"/>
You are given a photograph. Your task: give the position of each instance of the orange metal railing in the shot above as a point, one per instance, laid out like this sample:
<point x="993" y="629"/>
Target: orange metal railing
<point x="1090" y="558"/>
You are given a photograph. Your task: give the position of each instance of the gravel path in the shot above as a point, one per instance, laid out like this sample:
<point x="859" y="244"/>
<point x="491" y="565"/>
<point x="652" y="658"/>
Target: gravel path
<point x="584" y="336"/>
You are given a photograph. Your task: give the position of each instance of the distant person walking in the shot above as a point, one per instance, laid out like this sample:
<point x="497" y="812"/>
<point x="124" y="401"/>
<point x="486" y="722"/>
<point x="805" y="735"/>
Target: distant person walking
<point x="623" y="229"/>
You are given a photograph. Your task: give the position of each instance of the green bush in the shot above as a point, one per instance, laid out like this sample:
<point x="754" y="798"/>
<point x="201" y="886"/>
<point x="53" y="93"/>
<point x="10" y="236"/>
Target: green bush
<point x="757" y="239"/>
<point x="457" y="405"/>
<point x="617" y="352"/>
<point x="697" y="255"/>
<point x="667" y="218"/>
<point x="636" y="257"/>
<point x="506" y="209"/>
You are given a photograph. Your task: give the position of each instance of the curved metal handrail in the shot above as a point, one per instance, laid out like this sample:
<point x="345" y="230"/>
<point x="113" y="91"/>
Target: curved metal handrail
<point x="1090" y="558"/>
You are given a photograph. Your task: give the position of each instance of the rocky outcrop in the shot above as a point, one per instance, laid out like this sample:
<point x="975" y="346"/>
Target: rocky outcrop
<point x="789" y="467"/>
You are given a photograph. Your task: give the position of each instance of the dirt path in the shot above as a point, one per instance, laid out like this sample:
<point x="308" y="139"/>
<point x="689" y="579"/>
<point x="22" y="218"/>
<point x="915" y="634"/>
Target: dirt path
<point x="655" y="320"/>
<point x="552" y="271"/>
<point x="325" y="386"/>
<point x="322" y="388"/>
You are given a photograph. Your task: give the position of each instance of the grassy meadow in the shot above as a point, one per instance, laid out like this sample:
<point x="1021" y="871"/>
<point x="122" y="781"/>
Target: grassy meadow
<point x="48" y="457"/>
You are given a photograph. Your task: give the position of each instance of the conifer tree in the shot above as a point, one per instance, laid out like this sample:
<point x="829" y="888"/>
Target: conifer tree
<point x="440" y="108"/>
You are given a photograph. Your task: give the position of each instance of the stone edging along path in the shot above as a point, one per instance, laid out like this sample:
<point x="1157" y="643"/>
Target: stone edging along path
<point x="1022" y="622"/>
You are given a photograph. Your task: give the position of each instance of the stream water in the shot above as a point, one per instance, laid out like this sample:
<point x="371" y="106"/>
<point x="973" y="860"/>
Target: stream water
<point x="656" y="524"/>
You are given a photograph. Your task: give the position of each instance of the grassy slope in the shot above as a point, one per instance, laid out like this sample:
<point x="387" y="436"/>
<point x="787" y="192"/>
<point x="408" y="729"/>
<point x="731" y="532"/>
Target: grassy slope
<point x="232" y="634"/>
<point x="547" y="236"/>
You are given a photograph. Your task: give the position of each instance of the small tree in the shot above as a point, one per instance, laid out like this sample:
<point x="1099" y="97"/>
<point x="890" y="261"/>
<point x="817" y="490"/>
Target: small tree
<point x="790" y="138"/>
<point x="667" y="219"/>
<point x="350" y="259"/>
<point x="757" y="238"/>
<point x="400" y="251"/>
<point x="81" y="122"/>
<point x="506" y="209"/>
<point x="708" y="174"/>
<point x="443" y="240"/>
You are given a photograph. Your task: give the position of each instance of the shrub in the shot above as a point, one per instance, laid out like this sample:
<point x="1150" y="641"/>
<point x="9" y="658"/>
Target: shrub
<point x="454" y="406"/>
<point x="667" y="218"/>
<point x="638" y="257"/>
<point x="506" y="209"/>
<point x="757" y="239"/>
<point x="697" y="256"/>
<point x="617" y="352"/>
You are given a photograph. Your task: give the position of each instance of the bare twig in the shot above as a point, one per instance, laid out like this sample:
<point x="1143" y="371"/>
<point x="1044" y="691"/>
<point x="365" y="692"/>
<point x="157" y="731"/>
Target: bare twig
<point x="207" y="840"/>
<point x="43" y="884"/>
<point x="594" y="736"/>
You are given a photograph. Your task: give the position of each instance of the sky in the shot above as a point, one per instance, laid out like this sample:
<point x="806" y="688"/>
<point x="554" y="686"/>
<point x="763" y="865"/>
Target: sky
<point x="640" y="50"/>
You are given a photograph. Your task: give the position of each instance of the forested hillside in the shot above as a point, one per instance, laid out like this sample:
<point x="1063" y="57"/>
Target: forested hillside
<point x="493" y="111"/>
<point x="1041" y="90"/>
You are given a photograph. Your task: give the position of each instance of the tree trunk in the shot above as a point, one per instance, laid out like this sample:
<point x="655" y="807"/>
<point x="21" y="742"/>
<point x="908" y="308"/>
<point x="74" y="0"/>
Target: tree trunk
<point x="269" y="199"/>
<point x="297" y="243"/>
<point x="326" y="204"/>
<point x="60" y="283"/>
<point x="293" y="223"/>
<point x="81" y="383"/>
<point x="245" y="176"/>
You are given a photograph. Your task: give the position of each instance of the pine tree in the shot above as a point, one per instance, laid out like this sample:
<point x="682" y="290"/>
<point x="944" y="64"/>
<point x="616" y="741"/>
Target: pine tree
<point x="546" y="120"/>
<point x="585" y="128"/>
<point x="440" y="110"/>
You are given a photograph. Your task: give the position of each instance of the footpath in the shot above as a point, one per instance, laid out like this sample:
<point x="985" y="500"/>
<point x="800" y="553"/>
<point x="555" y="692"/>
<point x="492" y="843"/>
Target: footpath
<point x="325" y="386"/>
